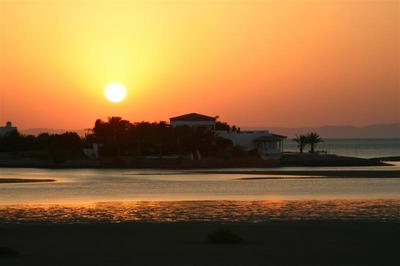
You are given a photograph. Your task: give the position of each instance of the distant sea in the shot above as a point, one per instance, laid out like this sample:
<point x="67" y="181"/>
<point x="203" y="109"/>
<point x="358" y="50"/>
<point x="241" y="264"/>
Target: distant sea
<point x="122" y="195"/>
<point x="363" y="148"/>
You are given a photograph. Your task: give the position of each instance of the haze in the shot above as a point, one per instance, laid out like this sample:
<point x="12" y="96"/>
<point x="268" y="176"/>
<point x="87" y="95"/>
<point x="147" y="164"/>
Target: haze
<point x="253" y="63"/>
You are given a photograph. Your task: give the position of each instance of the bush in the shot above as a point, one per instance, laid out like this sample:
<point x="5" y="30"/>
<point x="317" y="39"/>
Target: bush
<point x="8" y="252"/>
<point x="223" y="236"/>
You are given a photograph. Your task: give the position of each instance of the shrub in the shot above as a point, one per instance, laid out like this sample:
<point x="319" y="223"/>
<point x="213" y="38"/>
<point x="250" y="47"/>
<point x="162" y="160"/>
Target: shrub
<point x="7" y="252"/>
<point x="223" y="236"/>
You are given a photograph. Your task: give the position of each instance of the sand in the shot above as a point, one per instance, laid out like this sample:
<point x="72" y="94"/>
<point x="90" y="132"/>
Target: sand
<point x="273" y="243"/>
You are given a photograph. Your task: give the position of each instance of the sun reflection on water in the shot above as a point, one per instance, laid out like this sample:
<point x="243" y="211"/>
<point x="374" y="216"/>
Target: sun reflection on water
<point x="221" y="211"/>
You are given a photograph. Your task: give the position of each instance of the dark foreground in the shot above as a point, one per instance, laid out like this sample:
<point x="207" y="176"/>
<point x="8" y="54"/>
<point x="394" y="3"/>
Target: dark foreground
<point x="277" y="243"/>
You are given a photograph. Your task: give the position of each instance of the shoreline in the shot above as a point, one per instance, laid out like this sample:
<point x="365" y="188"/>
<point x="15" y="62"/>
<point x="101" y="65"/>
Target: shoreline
<point x="24" y="180"/>
<point x="287" y="160"/>
<point x="295" y="174"/>
<point x="290" y="174"/>
<point x="265" y="174"/>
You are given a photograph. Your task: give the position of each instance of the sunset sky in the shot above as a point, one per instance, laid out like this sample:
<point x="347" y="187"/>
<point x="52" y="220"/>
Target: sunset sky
<point x="253" y="63"/>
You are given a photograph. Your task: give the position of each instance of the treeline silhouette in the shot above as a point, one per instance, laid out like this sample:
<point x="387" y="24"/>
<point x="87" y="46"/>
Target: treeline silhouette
<point x="119" y="137"/>
<point x="58" y="147"/>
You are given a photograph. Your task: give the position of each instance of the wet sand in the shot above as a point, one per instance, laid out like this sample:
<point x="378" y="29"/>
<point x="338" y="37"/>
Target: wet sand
<point x="382" y="210"/>
<point x="24" y="180"/>
<point x="270" y="243"/>
<point x="314" y="173"/>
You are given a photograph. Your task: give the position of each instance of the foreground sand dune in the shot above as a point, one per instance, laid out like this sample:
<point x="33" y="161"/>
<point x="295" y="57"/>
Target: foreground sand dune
<point x="274" y="243"/>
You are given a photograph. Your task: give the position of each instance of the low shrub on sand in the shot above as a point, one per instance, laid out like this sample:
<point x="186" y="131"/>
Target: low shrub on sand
<point x="223" y="235"/>
<point x="7" y="252"/>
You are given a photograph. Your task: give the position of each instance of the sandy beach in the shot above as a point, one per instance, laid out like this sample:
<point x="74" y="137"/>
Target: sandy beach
<point x="274" y="243"/>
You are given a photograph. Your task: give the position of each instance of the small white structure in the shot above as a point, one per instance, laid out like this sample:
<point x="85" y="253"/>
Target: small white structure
<point x="92" y="153"/>
<point x="267" y="145"/>
<point x="8" y="129"/>
<point x="194" y="120"/>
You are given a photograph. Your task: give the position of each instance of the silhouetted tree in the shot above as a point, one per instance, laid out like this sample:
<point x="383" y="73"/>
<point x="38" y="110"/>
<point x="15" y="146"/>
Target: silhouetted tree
<point x="66" y="141"/>
<point x="313" y="139"/>
<point x="65" y="146"/>
<point x="222" y="126"/>
<point x="58" y="147"/>
<point x="121" y="137"/>
<point x="301" y="141"/>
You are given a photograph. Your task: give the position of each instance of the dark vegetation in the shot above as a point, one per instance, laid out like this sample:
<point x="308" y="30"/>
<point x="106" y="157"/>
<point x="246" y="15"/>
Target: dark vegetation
<point x="147" y="145"/>
<point x="223" y="235"/>
<point x="119" y="137"/>
<point x="311" y="139"/>
<point x="58" y="147"/>
<point x="6" y="252"/>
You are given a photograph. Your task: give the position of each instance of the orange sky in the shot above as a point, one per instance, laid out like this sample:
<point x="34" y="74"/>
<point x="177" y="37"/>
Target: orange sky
<point x="253" y="63"/>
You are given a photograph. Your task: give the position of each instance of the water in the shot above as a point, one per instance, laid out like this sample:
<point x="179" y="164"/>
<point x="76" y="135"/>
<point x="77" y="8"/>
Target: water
<point x="86" y="195"/>
<point x="220" y="210"/>
<point x="91" y="185"/>
<point x="363" y="148"/>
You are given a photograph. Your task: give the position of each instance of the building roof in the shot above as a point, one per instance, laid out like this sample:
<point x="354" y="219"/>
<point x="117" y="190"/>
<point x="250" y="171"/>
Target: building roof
<point x="273" y="137"/>
<point x="193" y="117"/>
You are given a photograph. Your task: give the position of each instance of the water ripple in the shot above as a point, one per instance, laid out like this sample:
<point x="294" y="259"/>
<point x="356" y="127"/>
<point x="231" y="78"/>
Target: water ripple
<point x="220" y="211"/>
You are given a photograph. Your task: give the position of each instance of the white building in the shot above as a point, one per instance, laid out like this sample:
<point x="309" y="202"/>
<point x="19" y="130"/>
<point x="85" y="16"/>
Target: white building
<point x="267" y="145"/>
<point x="193" y="120"/>
<point x="92" y="153"/>
<point x="4" y="131"/>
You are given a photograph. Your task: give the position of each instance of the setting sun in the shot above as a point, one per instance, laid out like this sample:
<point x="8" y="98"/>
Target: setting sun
<point x="115" y="92"/>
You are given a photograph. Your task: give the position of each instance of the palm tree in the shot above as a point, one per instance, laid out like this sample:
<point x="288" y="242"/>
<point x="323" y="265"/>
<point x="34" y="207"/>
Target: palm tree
<point x="313" y="139"/>
<point x="301" y="141"/>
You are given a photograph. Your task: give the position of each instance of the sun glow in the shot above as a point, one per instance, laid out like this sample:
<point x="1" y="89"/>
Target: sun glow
<point x="115" y="92"/>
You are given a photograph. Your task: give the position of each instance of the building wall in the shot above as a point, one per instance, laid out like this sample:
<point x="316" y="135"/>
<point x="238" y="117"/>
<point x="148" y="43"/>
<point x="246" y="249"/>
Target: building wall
<point x="7" y="129"/>
<point x="244" y="139"/>
<point x="210" y="124"/>
<point x="92" y="153"/>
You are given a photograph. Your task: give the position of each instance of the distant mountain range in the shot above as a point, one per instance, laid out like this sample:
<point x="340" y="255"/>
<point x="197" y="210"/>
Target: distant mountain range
<point x="371" y="131"/>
